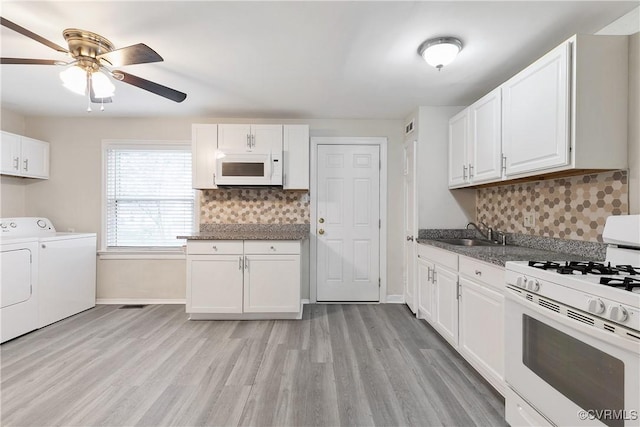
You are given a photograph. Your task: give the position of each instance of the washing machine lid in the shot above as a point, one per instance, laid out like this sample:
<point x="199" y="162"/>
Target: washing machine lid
<point x="66" y="236"/>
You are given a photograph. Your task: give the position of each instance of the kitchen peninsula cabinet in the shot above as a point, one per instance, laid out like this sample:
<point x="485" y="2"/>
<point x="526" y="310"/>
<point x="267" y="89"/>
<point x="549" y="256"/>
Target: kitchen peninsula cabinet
<point x="243" y="279"/>
<point x="24" y="157"/>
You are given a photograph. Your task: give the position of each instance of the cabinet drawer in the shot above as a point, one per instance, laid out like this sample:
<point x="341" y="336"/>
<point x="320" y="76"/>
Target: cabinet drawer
<point x="271" y="247"/>
<point x="439" y="256"/>
<point x="488" y="274"/>
<point x="214" y="247"/>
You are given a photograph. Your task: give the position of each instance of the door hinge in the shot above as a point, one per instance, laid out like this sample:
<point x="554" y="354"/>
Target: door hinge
<point x="458" y="290"/>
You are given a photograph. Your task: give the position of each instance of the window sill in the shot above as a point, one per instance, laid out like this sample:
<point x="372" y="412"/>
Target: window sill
<point x="149" y="254"/>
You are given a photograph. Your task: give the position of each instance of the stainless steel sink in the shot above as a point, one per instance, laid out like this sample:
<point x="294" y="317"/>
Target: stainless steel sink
<point x="468" y="242"/>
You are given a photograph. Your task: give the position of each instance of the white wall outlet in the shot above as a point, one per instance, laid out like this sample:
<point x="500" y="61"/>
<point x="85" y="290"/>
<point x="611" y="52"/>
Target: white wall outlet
<point x="529" y="219"/>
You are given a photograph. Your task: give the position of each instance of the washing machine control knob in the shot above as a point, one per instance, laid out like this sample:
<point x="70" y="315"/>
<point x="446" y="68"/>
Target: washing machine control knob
<point x="13" y="225"/>
<point x="3" y="225"/>
<point x="41" y="223"/>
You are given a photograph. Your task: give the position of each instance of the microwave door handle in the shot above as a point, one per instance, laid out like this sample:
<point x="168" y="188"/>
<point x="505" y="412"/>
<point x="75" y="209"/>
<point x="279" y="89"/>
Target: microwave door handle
<point x="269" y="168"/>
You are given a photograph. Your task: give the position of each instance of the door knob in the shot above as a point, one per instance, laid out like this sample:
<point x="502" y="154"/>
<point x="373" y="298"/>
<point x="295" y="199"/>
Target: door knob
<point x="321" y="231"/>
<point x="321" y="220"/>
<point x="409" y="238"/>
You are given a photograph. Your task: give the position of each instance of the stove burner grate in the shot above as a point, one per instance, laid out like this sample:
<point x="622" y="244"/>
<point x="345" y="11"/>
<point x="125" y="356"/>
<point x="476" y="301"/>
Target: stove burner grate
<point x="585" y="267"/>
<point x="628" y="283"/>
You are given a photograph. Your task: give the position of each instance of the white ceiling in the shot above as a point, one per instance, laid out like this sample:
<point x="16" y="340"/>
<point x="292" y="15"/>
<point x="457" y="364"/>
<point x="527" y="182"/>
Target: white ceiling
<point x="266" y="59"/>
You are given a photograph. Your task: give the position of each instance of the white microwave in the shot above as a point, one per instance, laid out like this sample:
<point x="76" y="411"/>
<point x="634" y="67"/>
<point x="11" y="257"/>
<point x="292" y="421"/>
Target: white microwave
<point x="248" y="169"/>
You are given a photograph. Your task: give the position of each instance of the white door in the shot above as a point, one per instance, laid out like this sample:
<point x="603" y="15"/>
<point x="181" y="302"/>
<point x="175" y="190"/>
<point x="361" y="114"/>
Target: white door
<point x="486" y="138"/>
<point x="10" y="153"/>
<point x="348" y="223"/>
<point x="458" y="139"/>
<point x="409" y="190"/>
<point x="535" y="108"/>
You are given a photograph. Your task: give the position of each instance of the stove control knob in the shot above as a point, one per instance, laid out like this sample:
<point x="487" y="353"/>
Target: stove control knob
<point x="618" y="314"/>
<point x="3" y="225"/>
<point x="596" y="306"/>
<point x="533" y="285"/>
<point x="41" y="223"/>
<point x="13" y="225"/>
<point x="521" y="282"/>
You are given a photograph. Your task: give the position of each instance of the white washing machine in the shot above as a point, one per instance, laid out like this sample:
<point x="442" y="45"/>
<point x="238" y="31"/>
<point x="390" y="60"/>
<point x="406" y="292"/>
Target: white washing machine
<point x="66" y="268"/>
<point x="18" y="286"/>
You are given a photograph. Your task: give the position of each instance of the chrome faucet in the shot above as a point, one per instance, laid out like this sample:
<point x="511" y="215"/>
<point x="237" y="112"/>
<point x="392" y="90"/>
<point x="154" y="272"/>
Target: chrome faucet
<point x="488" y="235"/>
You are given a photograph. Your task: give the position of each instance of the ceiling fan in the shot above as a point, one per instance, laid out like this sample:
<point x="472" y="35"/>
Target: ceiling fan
<point x="92" y="58"/>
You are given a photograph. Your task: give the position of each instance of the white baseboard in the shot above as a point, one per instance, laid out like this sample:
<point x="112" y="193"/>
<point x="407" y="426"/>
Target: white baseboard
<point x="124" y="301"/>
<point x="395" y="299"/>
<point x="305" y="301"/>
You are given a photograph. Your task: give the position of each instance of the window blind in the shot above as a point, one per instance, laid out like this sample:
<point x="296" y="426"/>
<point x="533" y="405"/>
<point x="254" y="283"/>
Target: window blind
<point x="149" y="196"/>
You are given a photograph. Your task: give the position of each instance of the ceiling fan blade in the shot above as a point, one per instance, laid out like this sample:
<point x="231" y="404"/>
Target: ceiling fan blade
<point x="17" y="28"/>
<point x="26" y="61"/>
<point x="136" y="54"/>
<point x="150" y="86"/>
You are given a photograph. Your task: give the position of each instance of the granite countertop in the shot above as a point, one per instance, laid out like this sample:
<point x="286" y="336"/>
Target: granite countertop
<point x="519" y="247"/>
<point x="250" y="232"/>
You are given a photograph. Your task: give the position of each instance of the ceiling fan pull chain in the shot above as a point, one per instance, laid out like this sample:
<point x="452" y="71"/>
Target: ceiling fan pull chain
<point x="88" y="91"/>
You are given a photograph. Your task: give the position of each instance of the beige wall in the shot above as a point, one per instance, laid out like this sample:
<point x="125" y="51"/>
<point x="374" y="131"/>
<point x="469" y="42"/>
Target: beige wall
<point x="634" y="123"/>
<point x="71" y="198"/>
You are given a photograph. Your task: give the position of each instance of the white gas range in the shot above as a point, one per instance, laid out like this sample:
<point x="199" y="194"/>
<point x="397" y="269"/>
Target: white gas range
<point x="572" y="336"/>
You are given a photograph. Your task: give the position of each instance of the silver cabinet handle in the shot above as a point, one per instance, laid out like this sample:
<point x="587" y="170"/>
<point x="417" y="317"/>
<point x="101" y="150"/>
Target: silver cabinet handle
<point x="26" y="165"/>
<point x="470" y="170"/>
<point x="246" y="263"/>
<point x="215" y="248"/>
<point x="434" y="280"/>
<point x="272" y="248"/>
<point x="253" y="140"/>
<point x="478" y="273"/>
<point x="504" y="163"/>
<point x="409" y="238"/>
<point x="248" y="141"/>
<point x="464" y="172"/>
<point x="239" y="263"/>
<point x="16" y="163"/>
<point x="429" y="274"/>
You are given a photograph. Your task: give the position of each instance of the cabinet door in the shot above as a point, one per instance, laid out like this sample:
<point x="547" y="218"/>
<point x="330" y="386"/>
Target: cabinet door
<point x="214" y="284"/>
<point x="482" y="330"/>
<point x="272" y="284"/>
<point x="266" y="138"/>
<point x="34" y="158"/>
<point x="458" y="141"/>
<point x="446" y="300"/>
<point x="535" y="117"/>
<point x="204" y="143"/>
<point x="234" y="137"/>
<point x="425" y="290"/>
<point x="486" y="138"/>
<point x="10" y="152"/>
<point x="296" y="157"/>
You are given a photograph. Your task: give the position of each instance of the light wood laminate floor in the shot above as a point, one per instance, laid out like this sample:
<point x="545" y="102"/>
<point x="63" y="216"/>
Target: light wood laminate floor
<point x="339" y="365"/>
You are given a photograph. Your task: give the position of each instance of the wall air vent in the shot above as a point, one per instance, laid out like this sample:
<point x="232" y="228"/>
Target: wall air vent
<point x="408" y="128"/>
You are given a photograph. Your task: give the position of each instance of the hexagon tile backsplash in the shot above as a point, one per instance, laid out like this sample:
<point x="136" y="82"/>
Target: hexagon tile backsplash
<point x="254" y="206"/>
<point x="567" y="208"/>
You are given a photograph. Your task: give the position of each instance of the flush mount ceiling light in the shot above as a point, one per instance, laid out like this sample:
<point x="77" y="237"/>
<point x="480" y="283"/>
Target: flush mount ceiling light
<point x="440" y="51"/>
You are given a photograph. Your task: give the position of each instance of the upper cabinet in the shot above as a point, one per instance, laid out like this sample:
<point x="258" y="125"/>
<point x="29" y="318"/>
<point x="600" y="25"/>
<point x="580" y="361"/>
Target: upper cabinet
<point x="567" y="111"/>
<point x="235" y="137"/>
<point x="536" y="114"/>
<point x="475" y="142"/>
<point x="208" y="139"/>
<point x="24" y="157"/>
<point x="204" y="143"/>
<point x="296" y="157"/>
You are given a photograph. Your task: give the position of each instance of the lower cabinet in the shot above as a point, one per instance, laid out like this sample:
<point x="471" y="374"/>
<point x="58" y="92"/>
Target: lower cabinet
<point x="243" y="279"/>
<point x="462" y="299"/>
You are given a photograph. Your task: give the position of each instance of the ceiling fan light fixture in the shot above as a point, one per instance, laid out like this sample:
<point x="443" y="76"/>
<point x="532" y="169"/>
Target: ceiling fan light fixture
<point x="102" y="86"/>
<point x="440" y="51"/>
<point x="75" y="79"/>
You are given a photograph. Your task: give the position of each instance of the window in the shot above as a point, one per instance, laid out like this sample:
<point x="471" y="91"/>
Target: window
<point x="149" y="199"/>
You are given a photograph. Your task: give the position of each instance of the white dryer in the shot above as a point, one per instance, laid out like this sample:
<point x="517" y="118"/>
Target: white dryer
<point x="65" y="268"/>
<point x="18" y="286"/>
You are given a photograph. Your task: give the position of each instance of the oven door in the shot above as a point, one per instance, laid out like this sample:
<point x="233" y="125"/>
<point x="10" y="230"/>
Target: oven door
<point x="572" y="373"/>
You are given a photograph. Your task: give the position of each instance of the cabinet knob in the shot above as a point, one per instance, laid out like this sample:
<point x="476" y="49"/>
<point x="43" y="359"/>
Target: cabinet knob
<point x="214" y="247"/>
<point x="478" y="273"/>
<point x="321" y="231"/>
<point x="272" y="248"/>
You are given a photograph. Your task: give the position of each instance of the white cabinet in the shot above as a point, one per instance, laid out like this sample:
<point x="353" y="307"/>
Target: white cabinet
<point x="243" y="278"/>
<point x="485" y="138"/>
<point x="458" y="147"/>
<point x="446" y="300"/>
<point x="475" y="142"/>
<point x="23" y="156"/>
<point x="204" y="143"/>
<point x="244" y="137"/>
<point x="536" y="114"/>
<point x="426" y="290"/>
<point x="295" y="174"/>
